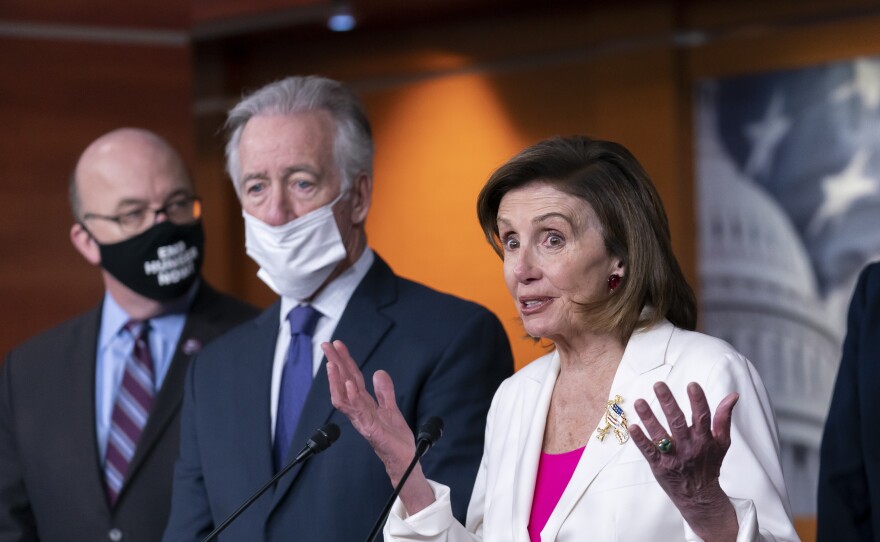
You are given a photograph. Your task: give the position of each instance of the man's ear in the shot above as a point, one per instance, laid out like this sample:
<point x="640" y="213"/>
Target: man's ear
<point x="361" y="198"/>
<point x="83" y="241"/>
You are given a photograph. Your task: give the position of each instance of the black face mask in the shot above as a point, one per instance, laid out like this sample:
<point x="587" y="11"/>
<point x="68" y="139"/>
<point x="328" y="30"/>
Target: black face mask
<point x="160" y="263"/>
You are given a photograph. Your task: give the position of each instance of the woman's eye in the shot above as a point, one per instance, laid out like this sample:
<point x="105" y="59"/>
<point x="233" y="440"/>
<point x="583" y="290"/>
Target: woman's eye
<point x="303" y="184"/>
<point x="511" y="243"/>
<point x="555" y="240"/>
<point x="254" y="189"/>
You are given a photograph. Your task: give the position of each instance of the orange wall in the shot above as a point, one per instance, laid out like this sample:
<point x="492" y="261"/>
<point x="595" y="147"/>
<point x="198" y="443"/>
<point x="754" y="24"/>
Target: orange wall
<point x="449" y="107"/>
<point x="438" y="141"/>
<point x="55" y="98"/>
<point x="436" y="144"/>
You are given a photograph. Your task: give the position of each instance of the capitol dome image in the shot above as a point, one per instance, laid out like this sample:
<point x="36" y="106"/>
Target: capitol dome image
<point x="759" y="292"/>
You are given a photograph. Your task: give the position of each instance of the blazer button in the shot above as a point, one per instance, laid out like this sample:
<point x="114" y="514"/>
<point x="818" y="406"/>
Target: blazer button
<point x="115" y="535"/>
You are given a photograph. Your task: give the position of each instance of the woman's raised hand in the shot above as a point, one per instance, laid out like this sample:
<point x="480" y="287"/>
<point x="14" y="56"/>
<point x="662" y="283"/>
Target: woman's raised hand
<point x="379" y="420"/>
<point x="687" y="463"/>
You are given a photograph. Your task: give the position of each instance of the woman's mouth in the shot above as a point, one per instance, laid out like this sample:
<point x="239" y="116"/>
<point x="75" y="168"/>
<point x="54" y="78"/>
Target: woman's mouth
<point x="531" y="305"/>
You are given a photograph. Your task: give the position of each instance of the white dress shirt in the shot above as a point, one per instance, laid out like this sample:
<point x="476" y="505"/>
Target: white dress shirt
<point x="331" y="303"/>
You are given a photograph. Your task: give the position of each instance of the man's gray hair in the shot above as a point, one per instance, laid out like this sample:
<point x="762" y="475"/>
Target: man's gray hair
<point x="353" y="142"/>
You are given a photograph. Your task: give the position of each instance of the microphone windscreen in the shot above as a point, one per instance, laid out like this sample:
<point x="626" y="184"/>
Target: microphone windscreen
<point x="324" y="437"/>
<point x="431" y="430"/>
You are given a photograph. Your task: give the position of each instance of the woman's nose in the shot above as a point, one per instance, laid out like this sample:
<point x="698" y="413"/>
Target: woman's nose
<point x="526" y="268"/>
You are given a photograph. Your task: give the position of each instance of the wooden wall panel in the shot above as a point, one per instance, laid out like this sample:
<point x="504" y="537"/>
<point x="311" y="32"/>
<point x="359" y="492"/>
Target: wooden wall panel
<point x="786" y="47"/>
<point x="130" y="13"/>
<point x="55" y="98"/>
<point x="226" y="266"/>
<point x="213" y="10"/>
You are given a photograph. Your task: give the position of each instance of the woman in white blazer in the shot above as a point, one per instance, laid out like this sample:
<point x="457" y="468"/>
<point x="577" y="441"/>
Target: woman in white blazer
<point x="574" y="450"/>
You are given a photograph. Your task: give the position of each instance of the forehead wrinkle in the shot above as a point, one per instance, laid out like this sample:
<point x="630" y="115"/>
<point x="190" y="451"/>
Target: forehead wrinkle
<point x="579" y="220"/>
<point x="301" y="168"/>
<point x="262" y="175"/>
<point x="552" y="214"/>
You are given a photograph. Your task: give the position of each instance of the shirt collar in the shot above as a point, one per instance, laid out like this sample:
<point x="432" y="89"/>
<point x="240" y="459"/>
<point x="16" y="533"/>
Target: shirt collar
<point x="114" y="317"/>
<point x="332" y="299"/>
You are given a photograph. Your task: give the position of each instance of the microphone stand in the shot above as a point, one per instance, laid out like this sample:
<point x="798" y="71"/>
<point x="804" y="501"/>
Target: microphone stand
<point x="429" y="433"/>
<point x="328" y="433"/>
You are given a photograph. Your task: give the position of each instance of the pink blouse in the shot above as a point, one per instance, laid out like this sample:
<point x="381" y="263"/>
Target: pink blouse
<point x="554" y="473"/>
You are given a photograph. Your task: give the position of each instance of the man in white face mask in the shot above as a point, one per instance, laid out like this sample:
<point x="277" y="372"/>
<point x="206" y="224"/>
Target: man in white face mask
<point x="300" y="154"/>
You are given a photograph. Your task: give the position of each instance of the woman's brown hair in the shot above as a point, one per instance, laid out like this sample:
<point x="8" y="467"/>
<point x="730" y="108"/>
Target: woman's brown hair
<point x="635" y="228"/>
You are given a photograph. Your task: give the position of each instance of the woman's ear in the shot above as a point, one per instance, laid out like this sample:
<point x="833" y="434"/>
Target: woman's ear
<point x="619" y="268"/>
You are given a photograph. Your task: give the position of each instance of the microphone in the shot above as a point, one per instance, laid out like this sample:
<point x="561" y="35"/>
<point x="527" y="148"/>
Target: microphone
<point x="317" y="443"/>
<point x="428" y="435"/>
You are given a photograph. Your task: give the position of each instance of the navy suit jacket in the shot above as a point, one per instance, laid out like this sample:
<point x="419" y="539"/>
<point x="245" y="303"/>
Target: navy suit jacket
<point x="849" y="471"/>
<point x="51" y="480"/>
<point x="446" y="357"/>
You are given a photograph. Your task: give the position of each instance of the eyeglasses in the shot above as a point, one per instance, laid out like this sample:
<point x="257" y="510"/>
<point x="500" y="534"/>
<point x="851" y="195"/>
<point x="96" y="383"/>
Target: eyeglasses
<point x="179" y="210"/>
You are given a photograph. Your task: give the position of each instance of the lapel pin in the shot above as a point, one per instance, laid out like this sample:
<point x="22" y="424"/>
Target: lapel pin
<point x="615" y="421"/>
<point x="192" y="346"/>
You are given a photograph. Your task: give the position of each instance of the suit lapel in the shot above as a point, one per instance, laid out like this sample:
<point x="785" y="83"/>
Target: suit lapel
<point x="83" y="431"/>
<point x="535" y="403"/>
<point x="252" y="396"/>
<point x="199" y="328"/>
<point x="642" y="365"/>
<point x="361" y="328"/>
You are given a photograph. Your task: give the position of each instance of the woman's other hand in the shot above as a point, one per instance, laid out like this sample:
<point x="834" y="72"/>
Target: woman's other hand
<point x="689" y="469"/>
<point x="379" y="420"/>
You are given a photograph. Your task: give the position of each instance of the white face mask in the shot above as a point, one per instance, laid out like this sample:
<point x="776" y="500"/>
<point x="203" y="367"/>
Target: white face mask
<point x="296" y="258"/>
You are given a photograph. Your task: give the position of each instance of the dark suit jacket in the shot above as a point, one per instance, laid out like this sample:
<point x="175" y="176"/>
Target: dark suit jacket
<point x="51" y="482"/>
<point x="849" y="471"/>
<point x="446" y="357"/>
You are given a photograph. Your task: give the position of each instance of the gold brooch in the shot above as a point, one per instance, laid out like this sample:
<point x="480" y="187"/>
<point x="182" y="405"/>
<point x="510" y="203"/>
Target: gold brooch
<point x="615" y="420"/>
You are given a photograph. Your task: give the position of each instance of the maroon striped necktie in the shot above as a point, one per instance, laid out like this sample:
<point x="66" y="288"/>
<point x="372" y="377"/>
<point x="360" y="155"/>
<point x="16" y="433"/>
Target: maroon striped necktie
<point x="134" y="400"/>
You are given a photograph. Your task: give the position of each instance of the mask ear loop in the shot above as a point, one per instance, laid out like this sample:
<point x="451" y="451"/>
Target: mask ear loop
<point x="338" y="198"/>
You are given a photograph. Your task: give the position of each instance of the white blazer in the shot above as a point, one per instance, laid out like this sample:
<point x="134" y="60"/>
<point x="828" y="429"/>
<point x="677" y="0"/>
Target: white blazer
<point x="613" y="495"/>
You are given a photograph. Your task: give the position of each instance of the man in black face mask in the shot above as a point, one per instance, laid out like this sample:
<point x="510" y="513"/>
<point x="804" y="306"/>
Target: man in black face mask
<point x="89" y="411"/>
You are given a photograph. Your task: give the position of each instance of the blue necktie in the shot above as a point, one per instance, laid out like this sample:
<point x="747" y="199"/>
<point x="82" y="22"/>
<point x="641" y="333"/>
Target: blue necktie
<point x="296" y="379"/>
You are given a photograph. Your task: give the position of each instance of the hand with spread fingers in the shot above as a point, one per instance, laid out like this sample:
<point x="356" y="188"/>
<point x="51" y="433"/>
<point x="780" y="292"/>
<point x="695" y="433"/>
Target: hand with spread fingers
<point x="687" y="462"/>
<point x="379" y="420"/>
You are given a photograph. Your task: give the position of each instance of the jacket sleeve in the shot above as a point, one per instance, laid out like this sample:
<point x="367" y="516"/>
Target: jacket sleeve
<point x="190" y="519"/>
<point x="17" y="522"/>
<point x="436" y="522"/>
<point x="751" y="473"/>
<point x="843" y="508"/>
<point x="460" y="389"/>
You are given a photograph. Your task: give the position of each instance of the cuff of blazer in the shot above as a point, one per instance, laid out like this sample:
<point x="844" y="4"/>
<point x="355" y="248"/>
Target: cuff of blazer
<point x="746" y="517"/>
<point x="429" y="522"/>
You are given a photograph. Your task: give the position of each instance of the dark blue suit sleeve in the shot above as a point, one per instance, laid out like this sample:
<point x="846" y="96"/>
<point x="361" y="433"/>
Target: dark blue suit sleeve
<point x="190" y="519"/>
<point x="844" y="511"/>
<point x="460" y="391"/>
<point x="17" y="521"/>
